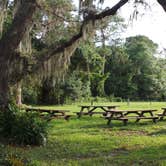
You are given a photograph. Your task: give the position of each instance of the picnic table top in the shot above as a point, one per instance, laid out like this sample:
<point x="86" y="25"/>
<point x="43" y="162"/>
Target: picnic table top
<point x="46" y="109"/>
<point x="132" y="111"/>
<point x="98" y="105"/>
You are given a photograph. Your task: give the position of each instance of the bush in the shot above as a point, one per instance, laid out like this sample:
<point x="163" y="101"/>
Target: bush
<point x="23" y="128"/>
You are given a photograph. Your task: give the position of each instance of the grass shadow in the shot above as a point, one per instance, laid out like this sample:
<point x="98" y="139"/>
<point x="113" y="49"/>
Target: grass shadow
<point x="160" y="132"/>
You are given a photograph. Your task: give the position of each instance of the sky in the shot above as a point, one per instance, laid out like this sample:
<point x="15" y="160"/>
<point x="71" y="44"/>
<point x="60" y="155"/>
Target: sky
<point x="151" y="21"/>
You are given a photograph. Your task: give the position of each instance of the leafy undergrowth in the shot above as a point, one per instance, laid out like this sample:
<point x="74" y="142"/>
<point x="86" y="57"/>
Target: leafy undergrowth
<point x="89" y="141"/>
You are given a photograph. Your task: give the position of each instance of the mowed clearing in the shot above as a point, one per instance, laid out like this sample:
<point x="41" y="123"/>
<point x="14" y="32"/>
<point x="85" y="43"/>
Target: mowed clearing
<point x="88" y="141"/>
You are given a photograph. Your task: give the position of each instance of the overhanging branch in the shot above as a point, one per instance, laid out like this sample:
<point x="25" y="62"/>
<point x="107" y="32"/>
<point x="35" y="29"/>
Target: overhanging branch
<point x="162" y="3"/>
<point x="56" y="50"/>
<point x="53" y="51"/>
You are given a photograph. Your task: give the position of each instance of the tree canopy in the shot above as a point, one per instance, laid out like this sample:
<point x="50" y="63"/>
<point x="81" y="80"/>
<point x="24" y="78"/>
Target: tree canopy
<point x="50" y="24"/>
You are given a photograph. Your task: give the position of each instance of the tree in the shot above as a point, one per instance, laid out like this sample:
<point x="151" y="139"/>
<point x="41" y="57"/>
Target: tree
<point x="119" y="67"/>
<point x="14" y="67"/>
<point x="141" y="50"/>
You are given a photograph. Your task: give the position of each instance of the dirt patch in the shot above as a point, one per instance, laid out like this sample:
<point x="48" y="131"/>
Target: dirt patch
<point x="127" y="133"/>
<point x="119" y="151"/>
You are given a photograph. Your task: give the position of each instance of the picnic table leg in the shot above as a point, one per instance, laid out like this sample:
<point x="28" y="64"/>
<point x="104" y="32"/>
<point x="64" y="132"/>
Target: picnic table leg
<point x="151" y="113"/>
<point x="162" y="118"/>
<point x="139" y="115"/>
<point x="109" y="121"/>
<point x="104" y="113"/>
<point x="154" y="120"/>
<point x="110" y="118"/>
<point x="67" y="117"/>
<point x="125" y="122"/>
<point x="90" y="112"/>
<point x="164" y="114"/>
<point x="79" y="114"/>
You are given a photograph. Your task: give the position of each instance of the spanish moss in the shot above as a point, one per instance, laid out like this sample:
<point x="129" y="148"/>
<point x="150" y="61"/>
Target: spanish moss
<point x="3" y="14"/>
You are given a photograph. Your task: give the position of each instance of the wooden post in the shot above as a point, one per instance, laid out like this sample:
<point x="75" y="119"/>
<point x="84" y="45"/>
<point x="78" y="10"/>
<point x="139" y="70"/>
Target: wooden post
<point x="128" y="101"/>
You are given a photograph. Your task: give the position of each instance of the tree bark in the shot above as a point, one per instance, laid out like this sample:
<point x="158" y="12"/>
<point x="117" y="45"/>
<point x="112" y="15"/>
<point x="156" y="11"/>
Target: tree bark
<point x="22" y="19"/>
<point x="19" y="94"/>
<point x="4" y="93"/>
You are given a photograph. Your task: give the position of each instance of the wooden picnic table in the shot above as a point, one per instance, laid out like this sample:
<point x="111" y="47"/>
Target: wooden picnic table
<point x="163" y="114"/>
<point x="91" y="108"/>
<point x="122" y="115"/>
<point x="53" y="113"/>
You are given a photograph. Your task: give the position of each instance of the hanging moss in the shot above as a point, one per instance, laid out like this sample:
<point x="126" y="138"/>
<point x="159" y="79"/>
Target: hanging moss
<point x="25" y="46"/>
<point x="56" y="66"/>
<point x="3" y="14"/>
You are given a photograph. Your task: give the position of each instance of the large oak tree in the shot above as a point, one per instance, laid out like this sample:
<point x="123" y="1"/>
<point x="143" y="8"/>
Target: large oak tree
<point x="14" y="67"/>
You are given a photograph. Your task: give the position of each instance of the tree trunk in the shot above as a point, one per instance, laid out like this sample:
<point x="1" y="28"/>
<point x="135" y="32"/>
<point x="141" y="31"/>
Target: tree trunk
<point x="18" y="94"/>
<point x="4" y="93"/>
<point x="103" y="47"/>
<point x="163" y="4"/>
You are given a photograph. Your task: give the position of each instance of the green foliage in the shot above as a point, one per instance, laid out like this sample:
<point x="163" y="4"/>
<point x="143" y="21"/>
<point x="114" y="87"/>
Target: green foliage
<point x="75" y="89"/>
<point x="133" y="70"/>
<point x="125" y="71"/>
<point x="30" y="95"/>
<point x="22" y="128"/>
<point x="12" y="159"/>
<point x="119" y="68"/>
<point x="97" y="84"/>
<point x="141" y="50"/>
<point x="30" y="90"/>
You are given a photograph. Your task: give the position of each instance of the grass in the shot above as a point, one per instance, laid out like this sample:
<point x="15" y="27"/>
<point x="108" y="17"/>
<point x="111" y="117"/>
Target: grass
<point x="90" y="142"/>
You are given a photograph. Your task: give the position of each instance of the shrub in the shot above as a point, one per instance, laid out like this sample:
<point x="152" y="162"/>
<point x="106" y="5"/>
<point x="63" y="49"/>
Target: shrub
<point x="23" y="128"/>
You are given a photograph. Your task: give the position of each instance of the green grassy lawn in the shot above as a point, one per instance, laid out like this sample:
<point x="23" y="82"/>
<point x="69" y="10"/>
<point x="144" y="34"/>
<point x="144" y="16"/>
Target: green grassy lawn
<point x="88" y="141"/>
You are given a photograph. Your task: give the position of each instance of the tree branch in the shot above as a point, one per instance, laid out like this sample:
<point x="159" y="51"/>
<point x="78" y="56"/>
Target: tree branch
<point x="56" y="49"/>
<point x="31" y="68"/>
<point x="162" y="3"/>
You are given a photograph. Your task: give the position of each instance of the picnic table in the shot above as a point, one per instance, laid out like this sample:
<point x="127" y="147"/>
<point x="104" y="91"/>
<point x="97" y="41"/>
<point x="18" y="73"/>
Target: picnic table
<point x="122" y="115"/>
<point x="161" y="115"/>
<point x="90" y="109"/>
<point x="53" y="113"/>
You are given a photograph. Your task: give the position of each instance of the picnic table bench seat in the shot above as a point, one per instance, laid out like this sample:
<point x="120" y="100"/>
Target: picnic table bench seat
<point x="160" y="114"/>
<point x="103" y="113"/>
<point x="163" y="114"/>
<point x="124" y="119"/>
<point x="154" y="118"/>
<point x="81" y="113"/>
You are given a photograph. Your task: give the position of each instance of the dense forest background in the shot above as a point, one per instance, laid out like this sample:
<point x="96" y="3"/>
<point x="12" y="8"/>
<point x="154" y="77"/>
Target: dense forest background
<point x="104" y="66"/>
<point x="124" y="70"/>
